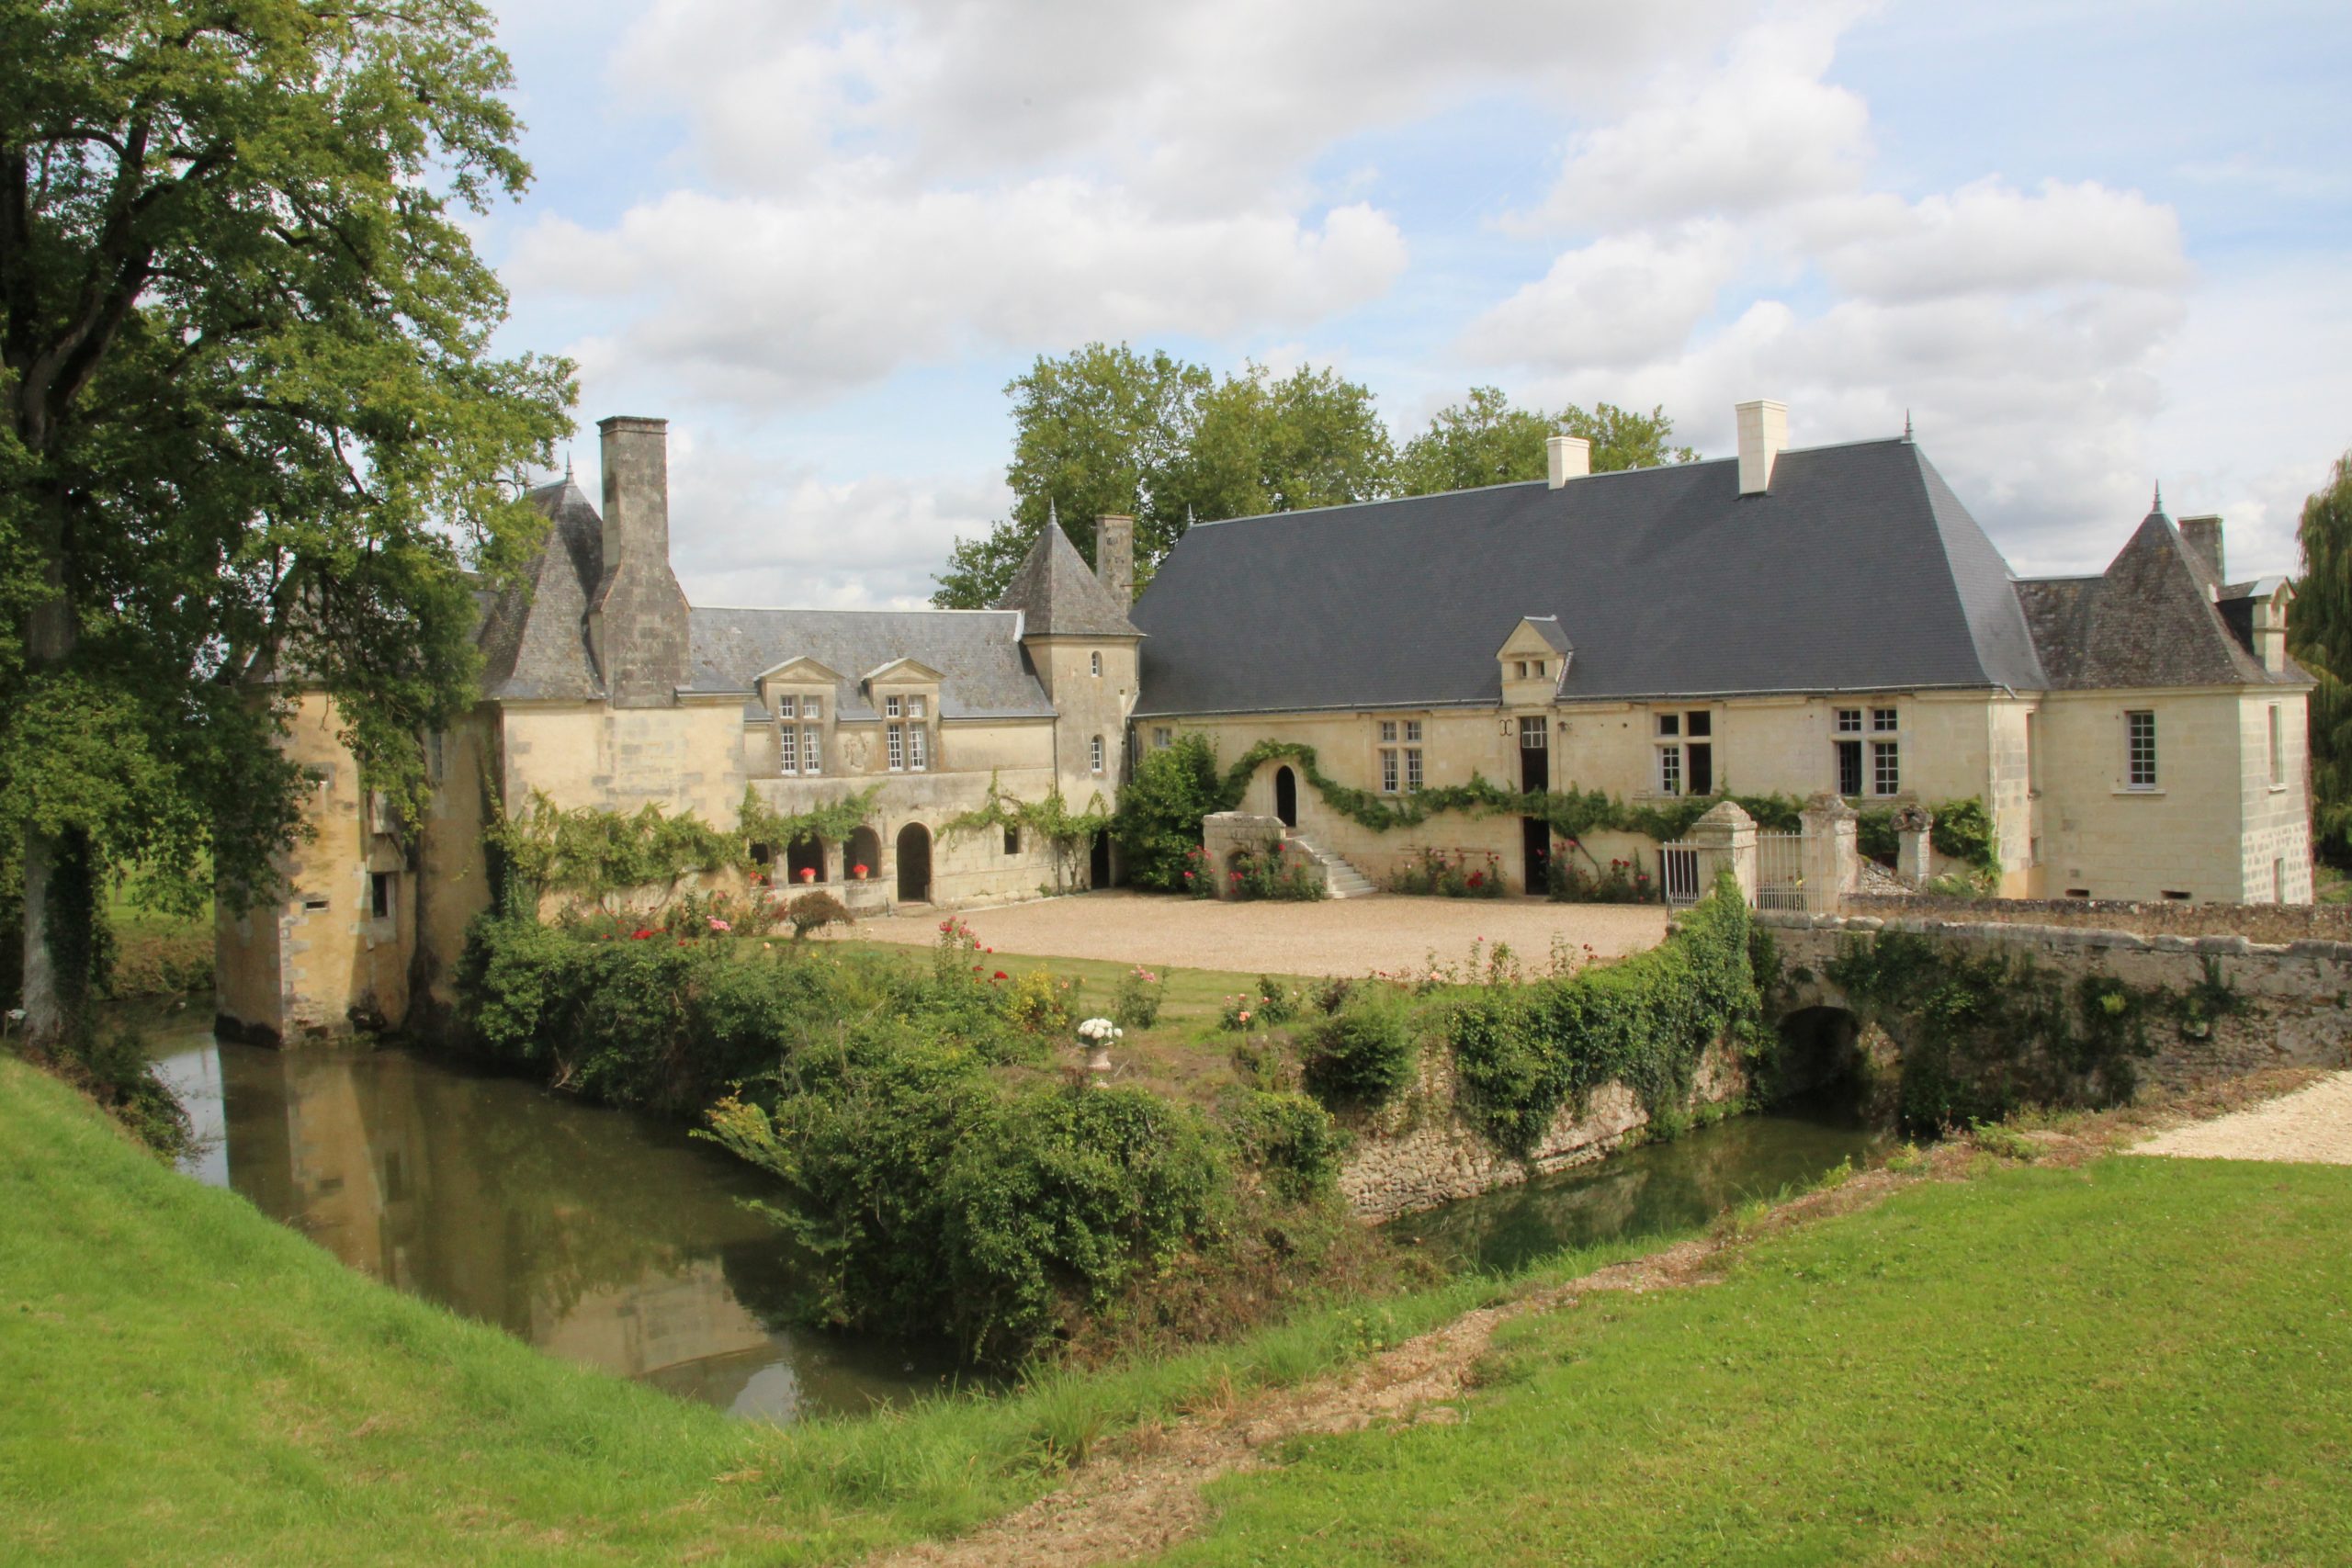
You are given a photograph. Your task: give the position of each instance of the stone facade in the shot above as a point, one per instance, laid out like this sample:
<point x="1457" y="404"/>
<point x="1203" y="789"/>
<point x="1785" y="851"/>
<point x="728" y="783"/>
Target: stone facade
<point x="2301" y="991"/>
<point x="606" y="690"/>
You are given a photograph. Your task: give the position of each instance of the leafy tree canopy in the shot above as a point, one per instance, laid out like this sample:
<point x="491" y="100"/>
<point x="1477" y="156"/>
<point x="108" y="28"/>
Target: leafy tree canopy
<point x="1115" y="430"/>
<point x="250" y="421"/>
<point x="2319" y="634"/>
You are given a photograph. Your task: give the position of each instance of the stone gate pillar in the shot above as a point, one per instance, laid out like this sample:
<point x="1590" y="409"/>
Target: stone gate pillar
<point x="1725" y="838"/>
<point x="1831" y="855"/>
<point x="1913" y="825"/>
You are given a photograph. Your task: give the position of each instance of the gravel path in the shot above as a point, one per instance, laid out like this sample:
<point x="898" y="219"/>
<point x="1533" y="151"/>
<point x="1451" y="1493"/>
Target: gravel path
<point x="2312" y="1127"/>
<point x="1351" y="936"/>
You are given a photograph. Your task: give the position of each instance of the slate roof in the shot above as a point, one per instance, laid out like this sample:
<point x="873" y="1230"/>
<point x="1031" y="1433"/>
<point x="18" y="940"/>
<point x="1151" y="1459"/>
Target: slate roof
<point x="1859" y="571"/>
<point x="535" y="638"/>
<point x="983" y="674"/>
<point x="1059" y="594"/>
<point x="2151" y="619"/>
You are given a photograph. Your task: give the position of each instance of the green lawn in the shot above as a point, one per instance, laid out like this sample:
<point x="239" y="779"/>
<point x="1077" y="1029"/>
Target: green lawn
<point x="2144" y="1361"/>
<point x="188" y="1381"/>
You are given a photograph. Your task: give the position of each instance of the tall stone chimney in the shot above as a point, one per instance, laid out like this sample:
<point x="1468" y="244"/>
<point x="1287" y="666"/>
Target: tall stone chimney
<point x="637" y="620"/>
<point x="2204" y="538"/>
<point x="1115" y="556"/>
<point x="1566" y="457"/>
<point x="1763" y="436"/>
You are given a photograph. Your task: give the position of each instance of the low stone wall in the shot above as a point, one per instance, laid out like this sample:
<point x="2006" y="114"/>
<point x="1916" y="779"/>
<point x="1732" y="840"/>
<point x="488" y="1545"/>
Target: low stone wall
<point x="2256" y="923"/>
<point x="2301" y="990"/>
<point x="1420" y="1152"/>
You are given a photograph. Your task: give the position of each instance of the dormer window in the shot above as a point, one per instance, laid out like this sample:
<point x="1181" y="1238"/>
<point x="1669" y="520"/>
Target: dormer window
<point x="893" y="707"/>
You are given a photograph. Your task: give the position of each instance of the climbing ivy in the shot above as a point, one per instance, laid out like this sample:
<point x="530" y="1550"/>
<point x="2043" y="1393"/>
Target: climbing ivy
<point x="1050" y="819"/>
<point x="592" y="853"/>
<point x="1572" y="812"/>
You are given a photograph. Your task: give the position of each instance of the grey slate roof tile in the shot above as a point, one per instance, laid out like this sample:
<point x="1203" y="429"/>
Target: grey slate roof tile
<point x="535" y="639"/>
<point x="1858" y="570"/>
<point x="983" y="674"/>
<point x="1058" y="595"/>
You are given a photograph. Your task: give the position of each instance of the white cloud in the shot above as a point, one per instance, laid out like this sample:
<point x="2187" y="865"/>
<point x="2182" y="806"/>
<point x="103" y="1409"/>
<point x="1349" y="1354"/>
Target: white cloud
<point x="772" y="300"/>
<point x="1620" y="300"/>
<point x="1758" y="132"/>
<point x="1986" y="237"/>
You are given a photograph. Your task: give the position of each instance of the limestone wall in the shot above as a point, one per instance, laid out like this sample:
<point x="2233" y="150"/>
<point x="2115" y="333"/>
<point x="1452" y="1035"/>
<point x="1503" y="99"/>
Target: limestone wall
<point x="2301" y="990"/>
<point x="1420" y="1152"/>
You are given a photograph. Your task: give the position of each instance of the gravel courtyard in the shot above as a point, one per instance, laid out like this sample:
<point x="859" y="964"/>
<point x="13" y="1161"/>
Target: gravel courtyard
<point x="2311" y="1125"/>
<point x="1352" y="936"/>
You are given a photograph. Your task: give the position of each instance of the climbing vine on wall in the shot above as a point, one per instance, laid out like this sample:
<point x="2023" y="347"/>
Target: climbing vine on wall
<point x="1572" y="812"/>
<point x="592" y="853"/>
<point x="1050" y="819"/>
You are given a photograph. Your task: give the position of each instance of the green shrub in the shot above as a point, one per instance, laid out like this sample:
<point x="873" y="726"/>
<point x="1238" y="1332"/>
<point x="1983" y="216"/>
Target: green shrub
<point x="812" y="911"/>
<point x="1159" y="819"/>
<point x="1290" y="1138"/>
<point x="1365" y="1053"/>
<point x="1135" y="1004"/>
<point x="1525" y="1051"/>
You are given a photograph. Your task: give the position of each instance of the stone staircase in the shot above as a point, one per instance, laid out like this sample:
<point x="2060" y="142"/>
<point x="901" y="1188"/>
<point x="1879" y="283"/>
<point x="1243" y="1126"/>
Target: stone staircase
<point x="1343" y="880"/>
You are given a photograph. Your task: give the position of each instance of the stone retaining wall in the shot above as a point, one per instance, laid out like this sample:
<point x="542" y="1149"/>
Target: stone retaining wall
<point x="2256" y="923"/>
<point x="2301" y="990"/>
<point x="1420" y="1152"/>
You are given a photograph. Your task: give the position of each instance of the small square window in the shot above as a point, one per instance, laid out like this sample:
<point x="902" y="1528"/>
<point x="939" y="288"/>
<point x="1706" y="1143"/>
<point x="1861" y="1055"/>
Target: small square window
<point x="1537" y="669"/>
<point x="812" y="707"/>
<point x="1669" y="724"/>
<point x="1849" y="721"/>
<point x="891" y="708"/>
<point x="1532" y="732"/>
<point x="915" y="708"/>
<point x="1413" y="732"/>
<point x="1885" y="721"/>
<point x="1163" y="738"/>
<point x="1388" y="731"/>
<point x="787" y="707"/>
<point x="1702" y="725"/>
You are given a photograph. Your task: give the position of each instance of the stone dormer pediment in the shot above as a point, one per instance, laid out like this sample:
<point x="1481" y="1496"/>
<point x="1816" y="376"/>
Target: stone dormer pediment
<point x="1534" y="660"/>
<point x="801" y="672"/>
<point x="902" y="673"/>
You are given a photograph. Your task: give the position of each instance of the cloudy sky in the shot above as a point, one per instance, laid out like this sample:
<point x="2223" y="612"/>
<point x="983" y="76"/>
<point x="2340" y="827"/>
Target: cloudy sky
<point x="2086" y="247"/>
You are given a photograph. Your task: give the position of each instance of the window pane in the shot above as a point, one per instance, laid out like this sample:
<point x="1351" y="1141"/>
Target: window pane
<point x="1702" y="724"/>
<point x="1413" y="729"/>
<point x="1849" y="764"/>
<point x="812" y="707"/>
<point x="789" y="748"/>
<point x="1886" y="768"/>
<point x="1530" y="734"/>
<point x="1388" y="772"/>
<point x="1884" y="719"/>
<point x="1413" y="770"/>
<point x="1669" y="724"/>
<point x="1670" y="770"/>
<point x="916" y="736"/>
<point x="1388" y="730"/>
<point x="2140" y="749"/>
<point x="1849" y="721"/>
<point x="889" y="707"/>
<point x="897" y="747"/>
<point x="811" y="750"/>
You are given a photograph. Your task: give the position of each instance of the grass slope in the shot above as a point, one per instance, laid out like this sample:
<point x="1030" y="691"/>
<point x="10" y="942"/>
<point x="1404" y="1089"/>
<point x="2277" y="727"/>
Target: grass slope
<point x="2137" y="1360"/>
<point x="182" y="1380"/>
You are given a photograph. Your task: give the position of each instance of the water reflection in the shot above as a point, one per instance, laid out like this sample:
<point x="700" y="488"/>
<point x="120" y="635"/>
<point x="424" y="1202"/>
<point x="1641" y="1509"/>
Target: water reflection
<point x="597" y="1236"/>
<point x="1652" y="1190"/>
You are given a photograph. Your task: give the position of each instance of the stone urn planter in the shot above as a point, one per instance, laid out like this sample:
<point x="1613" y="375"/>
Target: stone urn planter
<point x="1095" y="1037"/>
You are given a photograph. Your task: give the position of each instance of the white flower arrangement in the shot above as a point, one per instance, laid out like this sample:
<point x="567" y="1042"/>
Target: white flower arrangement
<point x="1100" y="1032"/>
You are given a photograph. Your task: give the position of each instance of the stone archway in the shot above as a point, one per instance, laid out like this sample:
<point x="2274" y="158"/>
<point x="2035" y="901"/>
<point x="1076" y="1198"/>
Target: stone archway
<point x="805" y="862"/>
<point x="863" y="849"/>
<point x="914" y="864"/>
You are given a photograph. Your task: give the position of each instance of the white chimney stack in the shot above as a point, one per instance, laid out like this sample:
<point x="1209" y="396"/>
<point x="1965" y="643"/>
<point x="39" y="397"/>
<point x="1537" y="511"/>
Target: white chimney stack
<point x="1568" y="458"/>
<point x="1763" y="436"/>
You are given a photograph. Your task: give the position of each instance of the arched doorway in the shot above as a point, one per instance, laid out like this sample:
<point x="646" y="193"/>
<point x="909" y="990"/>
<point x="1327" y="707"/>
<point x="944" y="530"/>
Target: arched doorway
<point x="1821" y="1055"/>
<point x="862" y="860"/>
<point x="1098" y="866"/>
<point x="914" y="864"/>
<point x="805" y="862"/>
<point x="1287" y="796"/>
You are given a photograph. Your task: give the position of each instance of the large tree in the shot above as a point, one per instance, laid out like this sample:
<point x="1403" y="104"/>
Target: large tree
<point x="1485" y="440"/>
<point x="249" y="422"/>
<point x="1112" y="430"/>
<point x="2319" y="634"/>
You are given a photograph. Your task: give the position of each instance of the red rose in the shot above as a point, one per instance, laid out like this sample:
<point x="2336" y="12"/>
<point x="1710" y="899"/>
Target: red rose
<point x="640" y="935"/>
<point x="1000" y="975"/>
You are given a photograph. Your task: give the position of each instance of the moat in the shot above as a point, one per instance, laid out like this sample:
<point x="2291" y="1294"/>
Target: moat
<point x="617" y="1240"/>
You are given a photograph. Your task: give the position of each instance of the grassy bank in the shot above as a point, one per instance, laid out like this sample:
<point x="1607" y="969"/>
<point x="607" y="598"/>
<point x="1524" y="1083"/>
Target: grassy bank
<point x="188" y="1381"/>
<point x="2137" y="1360"/>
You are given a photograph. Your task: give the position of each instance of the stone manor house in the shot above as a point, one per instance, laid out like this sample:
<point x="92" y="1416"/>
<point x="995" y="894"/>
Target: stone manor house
<point x="1783" y="621"/>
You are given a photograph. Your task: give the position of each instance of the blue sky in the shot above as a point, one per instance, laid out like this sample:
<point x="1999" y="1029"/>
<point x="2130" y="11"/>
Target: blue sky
<point x="2087" y="247"/>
